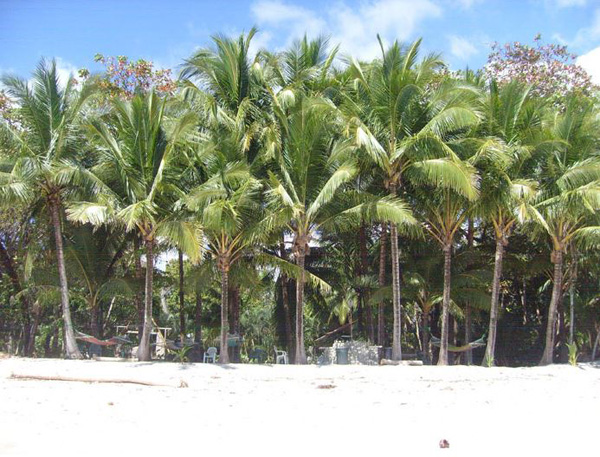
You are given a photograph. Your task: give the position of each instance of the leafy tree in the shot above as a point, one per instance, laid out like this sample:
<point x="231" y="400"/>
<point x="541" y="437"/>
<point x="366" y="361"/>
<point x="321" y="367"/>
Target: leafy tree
<point x="48" y="166"/>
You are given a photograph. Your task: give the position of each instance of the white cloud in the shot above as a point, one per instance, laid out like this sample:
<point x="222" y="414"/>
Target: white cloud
<point x="467" y="4"/>
<point x="354" y="28"/>
<point x="65" y="70"/>
<point x="461" y="47"/>
<point x="569" y="3"/>
<point x="591" y="63"/>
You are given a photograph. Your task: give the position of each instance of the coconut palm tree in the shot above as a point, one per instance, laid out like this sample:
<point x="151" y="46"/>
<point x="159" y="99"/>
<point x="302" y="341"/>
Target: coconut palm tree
<point x="507" y="137"/>
<point x="310" y="163"/>
<point x="136" y="163"/>
<point x="569" y="170"/>
<point x="48" y="165"/>
<point x="401" y="114"/>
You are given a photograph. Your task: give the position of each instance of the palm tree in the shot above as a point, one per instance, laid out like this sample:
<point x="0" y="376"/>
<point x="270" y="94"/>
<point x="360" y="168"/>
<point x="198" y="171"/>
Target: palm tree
<point x="48" y="166"/>
<point x="227" y="204"/>
<point x="137" y="154"/>
<point x="505" y="140"/>
<point x="310" y="164"/>
<point x="401" y="114"/>
<point x="570" y="195"/>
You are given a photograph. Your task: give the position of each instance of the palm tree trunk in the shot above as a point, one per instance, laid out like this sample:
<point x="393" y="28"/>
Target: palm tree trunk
<point x="425" y="337"/>
<point x="37" y="314"/>
<point x="364" y="296"/>
<point x="573" y="281"/>
<point x="181" y="299"/>
<point x="490" y="349"/>
<point x="595" y="348"/>
<point x="144" y="347"/>
<point x="139" y="295"/>
<point x="71" y="349"/>
<point x="289" y="336"/>
<point x="468" y="324"/>
<point x="382" y="263"/>
<point x="198" y="318"/>
<point x="396" y="297"/>
<point x="443" y="358"/>
<point x="547" y="357"/>
<point x="300" y="352"/>
<point x="224" y="355"/>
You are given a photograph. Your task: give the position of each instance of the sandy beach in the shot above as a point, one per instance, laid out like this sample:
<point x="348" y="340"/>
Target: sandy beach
<point x="297" y="410"/>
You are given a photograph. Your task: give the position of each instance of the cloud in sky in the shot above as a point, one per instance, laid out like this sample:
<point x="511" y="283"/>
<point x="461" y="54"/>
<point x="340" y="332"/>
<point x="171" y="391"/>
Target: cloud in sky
<point x="569" y="3"/>
<point x="461" y="47"/>
<point x="354" y="28"/>
<point x="591" y="63"/>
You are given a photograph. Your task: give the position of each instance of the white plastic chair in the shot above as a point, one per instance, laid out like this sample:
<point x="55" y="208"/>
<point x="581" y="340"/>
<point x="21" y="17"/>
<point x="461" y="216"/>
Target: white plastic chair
<point x="281" y="357"/>
<point x="210" y="356"/>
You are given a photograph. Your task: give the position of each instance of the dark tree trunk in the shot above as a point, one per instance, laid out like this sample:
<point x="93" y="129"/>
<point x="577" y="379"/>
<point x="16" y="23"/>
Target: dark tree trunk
<point x="490" y="349"/>
<point x="224" y="355"/>
<point x="396" y="297"/>
<point x="300" y="358"/>
<point x="181" y="299"/>
<point x="572" y="285"/>
<point x="425" y="337"/>
<point x="468" y="324"/>
<point x="443" y="357"/>
<point x="289" y="336"/>
<point x="144" y="347"/>
<point x="95" y="326"/>
<point x="198" y="318"/>
<point x="364" y="296"/>
<point x="382" y="264"/>
<point x="37" y="314"/>
<point x="71" y="349"/>
<point x="548" y="355"/>
<point x="9" y="268"/>
<point x="139" y="295"/>
<point x="234" y="320"/>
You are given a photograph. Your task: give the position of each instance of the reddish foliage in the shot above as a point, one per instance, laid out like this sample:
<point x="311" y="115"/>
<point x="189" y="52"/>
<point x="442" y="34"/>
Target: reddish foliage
<point x="124" y="77"/>
<point x="549" y="68"/>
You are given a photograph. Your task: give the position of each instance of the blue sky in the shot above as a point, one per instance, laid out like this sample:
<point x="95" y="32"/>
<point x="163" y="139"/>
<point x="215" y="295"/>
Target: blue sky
<point x="167" y="32"/>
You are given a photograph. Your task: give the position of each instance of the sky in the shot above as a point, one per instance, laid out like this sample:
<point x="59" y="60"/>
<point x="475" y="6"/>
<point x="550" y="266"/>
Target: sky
<point x="73" y="31"/>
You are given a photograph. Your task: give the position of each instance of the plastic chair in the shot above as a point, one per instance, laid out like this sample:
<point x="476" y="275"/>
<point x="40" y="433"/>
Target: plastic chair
<point x="281" y="357"/>
<point x="210" y="356"/>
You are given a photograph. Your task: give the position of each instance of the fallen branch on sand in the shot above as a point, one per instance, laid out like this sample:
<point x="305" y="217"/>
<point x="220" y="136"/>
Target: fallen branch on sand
<point x="31" y="377"/>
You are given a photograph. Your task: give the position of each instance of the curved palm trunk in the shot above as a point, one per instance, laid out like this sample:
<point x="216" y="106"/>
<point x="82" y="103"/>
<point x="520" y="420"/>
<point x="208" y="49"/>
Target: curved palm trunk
<point x="382" y="263"/>
<point x="573" y="281"/>
<point x="144" y="347"/>
<point x="300" y="352"/>
<point x="547" y="357"/>
<point x="443" y="358"/>
<point x="490" y="349"/>
<point x="71" y="349"/>
<point x="224" y="355"/>
<point x="396" y="297"/>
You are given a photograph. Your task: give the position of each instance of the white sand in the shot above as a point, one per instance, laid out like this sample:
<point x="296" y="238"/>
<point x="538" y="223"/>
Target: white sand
<point x="281" y="411"/>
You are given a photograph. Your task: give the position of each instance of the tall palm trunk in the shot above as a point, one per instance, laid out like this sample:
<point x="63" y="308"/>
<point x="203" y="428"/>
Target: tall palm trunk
<point x="289" y="336"/>
<point x="490" y="349"/>
<point x="71" y="349"/>
<point x="383" y="240"/>
<point x="364" y="296"/>
<point x="443" y="358"/>
<point x="224" y="355"/>
<point x="547" y="357"/>
<point x="181" y="299"/>
<point x="144" y="347"/>
<point x="396" y="298"/>
<point x="198" y="318"/>
<point x="139" y="294"/>
<point x="300" y="352"/>
<point x="572" y="284"/>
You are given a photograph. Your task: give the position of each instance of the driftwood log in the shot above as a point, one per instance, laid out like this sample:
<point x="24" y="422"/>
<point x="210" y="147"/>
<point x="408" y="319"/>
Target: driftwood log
<point x="30" y="377"/>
